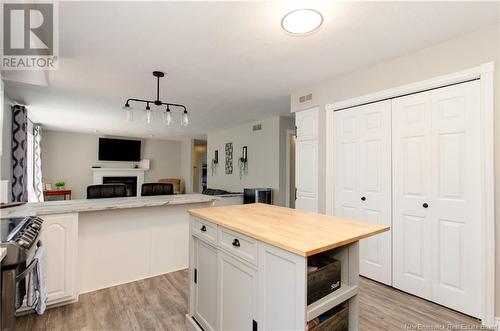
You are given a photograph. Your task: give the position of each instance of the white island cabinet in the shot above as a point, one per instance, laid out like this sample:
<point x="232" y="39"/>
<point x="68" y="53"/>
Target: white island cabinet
<point x="248" y="267"/>
<point x="59" y="237"/>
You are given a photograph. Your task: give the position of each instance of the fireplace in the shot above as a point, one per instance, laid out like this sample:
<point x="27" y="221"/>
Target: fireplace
<point x="129" y="176"/>
<point x="129" y="181"/>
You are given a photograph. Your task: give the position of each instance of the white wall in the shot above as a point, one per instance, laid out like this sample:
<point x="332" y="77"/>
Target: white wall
<point x="264" y="162"/>
<point x="69" y="156"/>
<point x="467" y="51"/>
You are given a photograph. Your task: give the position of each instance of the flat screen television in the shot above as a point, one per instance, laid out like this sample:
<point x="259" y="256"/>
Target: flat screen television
<point x="119" y="149"/>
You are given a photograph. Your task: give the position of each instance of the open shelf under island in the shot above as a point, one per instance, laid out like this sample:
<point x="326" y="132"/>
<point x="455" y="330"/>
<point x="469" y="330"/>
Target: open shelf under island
<point x="248" y="269"/>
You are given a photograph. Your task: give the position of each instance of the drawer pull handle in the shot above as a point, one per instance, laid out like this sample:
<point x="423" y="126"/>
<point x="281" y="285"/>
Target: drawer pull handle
<point x="425" y="205"/>
<point x="363" y="198"/>
<point x="203" y="229"/>
<point x="236" y="243"/>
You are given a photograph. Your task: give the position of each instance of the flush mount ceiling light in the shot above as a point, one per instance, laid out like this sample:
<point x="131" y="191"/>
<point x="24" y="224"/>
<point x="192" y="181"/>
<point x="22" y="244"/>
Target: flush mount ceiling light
<point x="167" y="113"/>
<point x="302" y="21"/>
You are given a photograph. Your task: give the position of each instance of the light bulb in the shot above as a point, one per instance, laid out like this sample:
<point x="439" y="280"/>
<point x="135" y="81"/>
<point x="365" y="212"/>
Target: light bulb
<point x="167" y="117"/>
<point x="129" y="114"/>
<point x="148" y="115"/>
<point x="185" y="118"/>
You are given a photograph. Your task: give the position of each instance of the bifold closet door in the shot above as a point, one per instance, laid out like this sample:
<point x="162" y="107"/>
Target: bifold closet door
<point x="363" y="180"/>
<point x="436" y="196"/>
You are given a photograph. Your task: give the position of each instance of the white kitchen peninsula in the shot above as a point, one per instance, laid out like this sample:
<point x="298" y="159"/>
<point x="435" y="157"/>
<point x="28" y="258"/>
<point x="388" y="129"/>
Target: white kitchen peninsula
<point x="94" y="244"/>
<point x="249" y="265"/>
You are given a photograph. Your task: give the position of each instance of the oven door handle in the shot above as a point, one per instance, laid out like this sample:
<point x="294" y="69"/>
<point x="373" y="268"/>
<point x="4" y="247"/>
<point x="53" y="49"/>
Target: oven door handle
<point x="26" y="271"/>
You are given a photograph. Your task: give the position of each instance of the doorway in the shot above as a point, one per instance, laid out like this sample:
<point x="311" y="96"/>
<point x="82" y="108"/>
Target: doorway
<point x="199" y="166"/>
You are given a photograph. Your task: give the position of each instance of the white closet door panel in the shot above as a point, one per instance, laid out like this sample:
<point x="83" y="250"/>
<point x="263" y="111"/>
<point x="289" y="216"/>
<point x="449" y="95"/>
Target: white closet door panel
<point x="347" y="196"/>
<point x="363" y="180"/>
<point x="411" y="125"/>
<point x="375" y="188"/>
<point x="307" y="165"/>
<point x="307" y="124"/>
<point x="456" y="194"/>
<point x="306" y="179"/>
<point x="306" y="160"/>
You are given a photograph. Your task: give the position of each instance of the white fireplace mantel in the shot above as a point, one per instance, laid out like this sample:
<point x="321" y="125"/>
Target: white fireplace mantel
<point x="99" y="173"/>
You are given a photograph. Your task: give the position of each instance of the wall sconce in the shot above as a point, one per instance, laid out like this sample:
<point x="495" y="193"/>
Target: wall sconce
<point x="243" y="162"/>
<point x="215" y="162"/>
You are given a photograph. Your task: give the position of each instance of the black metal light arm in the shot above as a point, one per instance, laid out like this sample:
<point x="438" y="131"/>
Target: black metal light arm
<point x="157" y="102"/>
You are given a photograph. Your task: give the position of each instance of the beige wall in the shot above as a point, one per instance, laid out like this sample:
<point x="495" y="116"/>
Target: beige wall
<point x="467" y="51"/>
<point x="69" y="156"/>
<point x="265" y="162"/>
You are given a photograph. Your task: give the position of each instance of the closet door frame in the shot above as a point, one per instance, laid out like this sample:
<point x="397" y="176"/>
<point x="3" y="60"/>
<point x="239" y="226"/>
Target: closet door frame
<point x="485" y="73"/>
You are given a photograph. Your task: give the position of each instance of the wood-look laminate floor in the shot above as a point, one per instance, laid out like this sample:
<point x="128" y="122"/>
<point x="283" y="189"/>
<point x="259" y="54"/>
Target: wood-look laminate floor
<point x="160" y="303"/>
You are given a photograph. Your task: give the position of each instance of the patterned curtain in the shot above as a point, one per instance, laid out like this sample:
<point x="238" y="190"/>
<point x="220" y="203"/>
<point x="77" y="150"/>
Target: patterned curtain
<point x="19" y="153"/>
<point x="37" y="151"/>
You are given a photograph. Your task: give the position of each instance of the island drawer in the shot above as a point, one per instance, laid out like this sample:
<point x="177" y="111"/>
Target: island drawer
<point x="240" y="245"/>
<point x="204" y="230"/>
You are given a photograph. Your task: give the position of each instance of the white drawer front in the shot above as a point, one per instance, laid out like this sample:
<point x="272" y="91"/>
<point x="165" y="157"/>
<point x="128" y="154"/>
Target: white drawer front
<point x="239" y="245"/>
<point x="204" y="230"/>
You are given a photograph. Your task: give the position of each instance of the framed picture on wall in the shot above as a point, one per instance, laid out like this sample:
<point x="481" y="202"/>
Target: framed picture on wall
<point x="229" y="158"/>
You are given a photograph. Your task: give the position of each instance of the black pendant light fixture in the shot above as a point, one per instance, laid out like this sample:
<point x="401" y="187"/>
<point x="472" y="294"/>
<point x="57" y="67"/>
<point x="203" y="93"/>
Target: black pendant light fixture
<point x="167" y="112"/>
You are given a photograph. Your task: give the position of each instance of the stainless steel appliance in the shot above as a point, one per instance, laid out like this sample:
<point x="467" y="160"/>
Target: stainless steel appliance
<point x="20" y="236"/>
<point x="258" y="195"/>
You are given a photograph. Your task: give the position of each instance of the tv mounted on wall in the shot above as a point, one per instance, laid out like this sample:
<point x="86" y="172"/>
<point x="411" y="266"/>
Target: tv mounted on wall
<point x="119" y="149"/>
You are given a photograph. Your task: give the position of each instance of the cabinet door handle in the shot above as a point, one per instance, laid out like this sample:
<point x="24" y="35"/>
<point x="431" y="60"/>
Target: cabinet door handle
<point x="425" y="205"/>
<point x="203" y="229"/>
<point x="236" y="243"/>
<point x="363" y="198"/>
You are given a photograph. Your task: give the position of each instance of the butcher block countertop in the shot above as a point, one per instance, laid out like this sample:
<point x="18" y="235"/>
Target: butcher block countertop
<point x="299" y="232"/>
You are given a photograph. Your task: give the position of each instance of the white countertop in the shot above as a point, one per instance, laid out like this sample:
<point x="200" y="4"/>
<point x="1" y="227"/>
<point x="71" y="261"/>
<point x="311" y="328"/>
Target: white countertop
<point x="85" y="205"/>
<point x="3" y="252"/>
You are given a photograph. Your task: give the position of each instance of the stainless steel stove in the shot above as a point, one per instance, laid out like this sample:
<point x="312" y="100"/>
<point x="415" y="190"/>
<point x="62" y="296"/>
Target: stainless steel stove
<point x="20" y="236"/>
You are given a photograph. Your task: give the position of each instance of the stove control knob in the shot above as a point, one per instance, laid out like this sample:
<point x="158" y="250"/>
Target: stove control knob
<point x="35" y="226"/>
<point x="23" y="243"/>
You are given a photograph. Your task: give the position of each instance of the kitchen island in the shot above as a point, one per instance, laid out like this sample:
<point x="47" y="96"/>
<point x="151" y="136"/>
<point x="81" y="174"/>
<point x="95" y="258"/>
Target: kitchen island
<point x="99" y="243"/>
<point x="249" y="268"/>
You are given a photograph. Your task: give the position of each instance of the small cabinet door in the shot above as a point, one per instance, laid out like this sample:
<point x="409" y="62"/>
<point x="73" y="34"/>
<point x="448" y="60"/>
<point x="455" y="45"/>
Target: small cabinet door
<point x="60" y="239"/>
<point x="238" y="294"/>
<point x="205" y="284"/>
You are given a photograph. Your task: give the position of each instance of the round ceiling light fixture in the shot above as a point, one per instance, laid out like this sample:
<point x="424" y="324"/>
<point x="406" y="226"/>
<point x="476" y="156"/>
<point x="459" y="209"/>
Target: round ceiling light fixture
<point x="302" y="21"/>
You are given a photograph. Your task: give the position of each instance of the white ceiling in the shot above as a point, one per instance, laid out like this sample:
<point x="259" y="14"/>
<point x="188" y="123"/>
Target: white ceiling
<point x="228" y="62"/>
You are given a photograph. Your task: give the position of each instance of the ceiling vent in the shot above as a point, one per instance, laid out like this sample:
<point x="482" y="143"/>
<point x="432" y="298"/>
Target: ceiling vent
<point x="305" y="98"/>
<point x="257" y="127"/>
